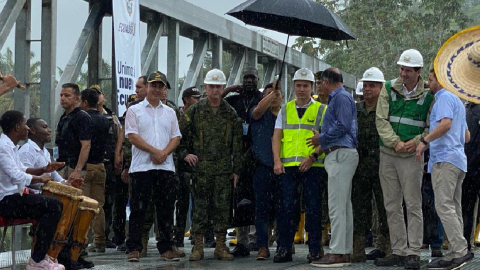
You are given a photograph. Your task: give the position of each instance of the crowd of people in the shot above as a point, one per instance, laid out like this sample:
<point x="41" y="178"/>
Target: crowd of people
<point x="363" y="164"/>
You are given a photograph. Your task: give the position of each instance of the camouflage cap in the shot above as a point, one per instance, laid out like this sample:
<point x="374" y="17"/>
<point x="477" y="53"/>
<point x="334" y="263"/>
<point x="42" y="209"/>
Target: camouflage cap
<point x="318" y="75"/>
<point x="131" y="98"/>
<point x="96" y="87"/>
<point x="158" y="76"/>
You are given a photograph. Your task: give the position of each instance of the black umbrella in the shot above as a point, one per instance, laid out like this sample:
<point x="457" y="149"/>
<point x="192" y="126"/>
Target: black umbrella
<point x="293" y="17"/>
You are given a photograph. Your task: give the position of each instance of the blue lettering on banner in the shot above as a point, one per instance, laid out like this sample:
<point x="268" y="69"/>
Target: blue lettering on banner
<point x="126" y="83"/>
<point x="122" y="99"/>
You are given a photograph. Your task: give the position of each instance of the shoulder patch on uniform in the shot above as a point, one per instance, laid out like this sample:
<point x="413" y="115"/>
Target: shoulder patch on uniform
<point x="186" y="117"/>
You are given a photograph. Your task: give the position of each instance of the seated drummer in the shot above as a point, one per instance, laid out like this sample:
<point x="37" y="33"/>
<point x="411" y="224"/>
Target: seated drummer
<point x="33" y="154"/>
<point x="14" y="176"/>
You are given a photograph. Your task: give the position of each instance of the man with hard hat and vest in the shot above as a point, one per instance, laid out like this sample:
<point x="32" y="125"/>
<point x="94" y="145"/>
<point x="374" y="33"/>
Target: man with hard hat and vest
<point x="213" y="134"/>
<point x="297" y="164"/>
<point x="402" y="116"/>
<point x="366" y="183"/>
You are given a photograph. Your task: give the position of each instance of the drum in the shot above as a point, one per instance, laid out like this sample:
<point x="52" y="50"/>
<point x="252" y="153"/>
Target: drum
<point x="70" y="197"/>
<point x="86" y="212"/>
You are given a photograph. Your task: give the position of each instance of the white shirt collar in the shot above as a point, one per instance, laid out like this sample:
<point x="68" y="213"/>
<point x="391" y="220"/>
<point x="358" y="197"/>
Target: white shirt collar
<point x="34" y="145"/>
<point x="145" y="103"/>
<point x="8" y="140"/>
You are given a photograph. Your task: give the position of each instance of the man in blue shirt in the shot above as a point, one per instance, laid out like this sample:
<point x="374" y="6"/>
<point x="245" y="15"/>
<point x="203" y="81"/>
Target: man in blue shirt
<point x="448" y="165"/>
<point x="265" y="182"/>
<point x="338" y="140"/>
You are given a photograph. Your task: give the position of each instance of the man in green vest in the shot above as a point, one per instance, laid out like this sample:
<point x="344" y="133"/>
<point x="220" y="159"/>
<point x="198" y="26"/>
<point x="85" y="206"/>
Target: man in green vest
<point x="297" y="164"/>
<point x="402" y="116"/>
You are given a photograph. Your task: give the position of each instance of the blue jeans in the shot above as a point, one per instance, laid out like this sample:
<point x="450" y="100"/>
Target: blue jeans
<point x="311" y="181"/>
<point x="267" y="199"/>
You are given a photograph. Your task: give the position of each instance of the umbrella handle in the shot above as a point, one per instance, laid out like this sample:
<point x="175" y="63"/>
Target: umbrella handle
<point x="283" y="63"/>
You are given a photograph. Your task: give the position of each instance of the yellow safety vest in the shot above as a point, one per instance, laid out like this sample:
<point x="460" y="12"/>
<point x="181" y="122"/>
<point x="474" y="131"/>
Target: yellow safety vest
<point x="294" y="147"/>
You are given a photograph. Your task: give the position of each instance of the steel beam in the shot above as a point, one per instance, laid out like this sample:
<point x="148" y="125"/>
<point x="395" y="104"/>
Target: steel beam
<point x="95" y="54"/>
<point x="8" y="17"/>
<point x="22" y="58"/>
<point x="150" y="49"/>
<point x="48" y="96"/>
<point x="217" y="52"/>
<point x="196" y="65"/>
<point x="269" y="72"/>
<point x="252" y="59"/>
<point x="237" y="67"/>
<point x="84" y="43"/>
<point x="173" y="57"/>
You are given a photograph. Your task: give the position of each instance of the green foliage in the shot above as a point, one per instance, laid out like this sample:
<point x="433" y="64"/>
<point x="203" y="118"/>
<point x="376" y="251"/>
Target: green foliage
<point x="386" y="28"/>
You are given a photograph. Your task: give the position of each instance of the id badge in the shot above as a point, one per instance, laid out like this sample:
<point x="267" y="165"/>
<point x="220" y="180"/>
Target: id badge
<point x="245" y="129"/>
<point x="55" y="153"/>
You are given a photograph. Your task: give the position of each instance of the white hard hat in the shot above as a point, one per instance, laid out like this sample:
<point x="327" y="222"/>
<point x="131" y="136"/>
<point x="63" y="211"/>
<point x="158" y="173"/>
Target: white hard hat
<point x="359" y="90"/>
<point x="373" y="74"/>
<point x="304" y="74"/>
<point x="411" y="58"/>
<point x="215" y="76"/>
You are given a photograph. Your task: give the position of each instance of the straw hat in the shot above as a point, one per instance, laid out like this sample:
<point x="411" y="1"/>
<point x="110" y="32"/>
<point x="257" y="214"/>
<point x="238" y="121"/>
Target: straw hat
<point x="457" y="64"/>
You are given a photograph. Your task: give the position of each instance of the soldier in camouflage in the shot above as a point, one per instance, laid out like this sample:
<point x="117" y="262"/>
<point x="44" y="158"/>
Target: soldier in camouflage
<point x="366" y="182"/>
<point x="213" y="137"/>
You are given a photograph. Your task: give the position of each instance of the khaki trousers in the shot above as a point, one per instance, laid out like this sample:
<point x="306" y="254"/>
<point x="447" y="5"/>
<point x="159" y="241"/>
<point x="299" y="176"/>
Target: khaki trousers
<point x="447" y="186"/>
<point x="340" y="166"/>
<point x="401" y="180"/>
<point x="94" y="188"/>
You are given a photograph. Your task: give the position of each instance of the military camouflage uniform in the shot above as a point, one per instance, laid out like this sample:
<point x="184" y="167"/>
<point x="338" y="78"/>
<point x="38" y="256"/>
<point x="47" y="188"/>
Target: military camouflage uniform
<point x="366" y="183"/>
<point x="216" y="138"/>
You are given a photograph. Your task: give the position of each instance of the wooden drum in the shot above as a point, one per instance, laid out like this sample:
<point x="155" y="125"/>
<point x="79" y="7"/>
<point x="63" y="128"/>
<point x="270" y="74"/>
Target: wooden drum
<point x="70" y="197"/>
<point x="86" y="212"/>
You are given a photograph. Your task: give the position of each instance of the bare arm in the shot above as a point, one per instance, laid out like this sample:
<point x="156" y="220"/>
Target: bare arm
<point x="82" y="158"/>
<point x="263" y="106"/>
<point x="467" y="136"/>
<point x="118" y="148"/>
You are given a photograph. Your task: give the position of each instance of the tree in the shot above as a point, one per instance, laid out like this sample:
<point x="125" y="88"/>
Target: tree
<point x="388" y="29"/>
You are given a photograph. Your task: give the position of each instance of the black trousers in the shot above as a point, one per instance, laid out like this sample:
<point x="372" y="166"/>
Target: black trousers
<point x="157" y="187"/>
<point x="470" y="192"/>
<point x="181" y="205"/>
<point x="46" y="210"/>
<point x="116" y="198"/>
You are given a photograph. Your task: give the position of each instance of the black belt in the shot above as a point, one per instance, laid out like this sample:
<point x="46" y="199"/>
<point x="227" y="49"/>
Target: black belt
<point x="333" y="148"/>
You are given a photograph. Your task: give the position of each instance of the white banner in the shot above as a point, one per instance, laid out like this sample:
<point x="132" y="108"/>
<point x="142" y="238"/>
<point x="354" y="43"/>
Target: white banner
<point x="126" y="33"/>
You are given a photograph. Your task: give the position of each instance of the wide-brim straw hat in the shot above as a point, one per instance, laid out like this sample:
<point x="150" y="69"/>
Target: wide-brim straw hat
<point x="457" y="64"/>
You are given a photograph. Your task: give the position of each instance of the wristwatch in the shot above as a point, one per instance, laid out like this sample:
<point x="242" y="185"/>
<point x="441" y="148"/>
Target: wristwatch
<point x="422" y="140"/>
<point x="315" y="156"/>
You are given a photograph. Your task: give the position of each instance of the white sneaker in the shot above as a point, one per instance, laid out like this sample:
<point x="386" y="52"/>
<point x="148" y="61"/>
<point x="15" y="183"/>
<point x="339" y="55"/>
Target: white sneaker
<point x="54" y="262"/>
<point x="42" y="265"/>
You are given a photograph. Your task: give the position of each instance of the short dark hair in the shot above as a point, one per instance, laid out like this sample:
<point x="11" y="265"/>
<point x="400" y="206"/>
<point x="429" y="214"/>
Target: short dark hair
<point x="332" y="76"/>
<point x="433" y="72"/>
<point x="91" y="96"/>
<point x="32" y="121"/>
<point x="10" y="119"/>
<point x="74" y="86"/>
<point x="417" y="68"/>
<point x="145" y="79"/>
<point x="270" y="85"/>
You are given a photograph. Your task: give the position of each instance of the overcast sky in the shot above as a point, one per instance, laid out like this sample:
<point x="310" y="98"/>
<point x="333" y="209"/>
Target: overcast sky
<point x="72" y="15"/>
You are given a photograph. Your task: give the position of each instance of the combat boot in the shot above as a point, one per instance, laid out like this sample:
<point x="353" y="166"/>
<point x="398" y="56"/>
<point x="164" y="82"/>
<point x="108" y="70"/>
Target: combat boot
<point x="358" y="249"/>
<point x="197" y="253"/>
<point x="221" y="250"/>
<point x="143" y="253"/>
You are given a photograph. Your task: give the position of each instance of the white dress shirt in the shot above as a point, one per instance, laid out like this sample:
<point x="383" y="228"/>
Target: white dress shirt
<point x="156" y="126"/>
<point x="13" y="176"/>
<point x="33" y="157"/>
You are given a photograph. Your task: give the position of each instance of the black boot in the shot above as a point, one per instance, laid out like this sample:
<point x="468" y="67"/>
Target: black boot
<point x="283" y="255"/>
<point x="240" y="251"/>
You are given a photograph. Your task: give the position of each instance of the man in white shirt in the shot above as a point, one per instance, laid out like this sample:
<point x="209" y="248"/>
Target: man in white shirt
<point x="14" y="176"/>
<point x="152" y="128"/>
<point x="33" y="154"/>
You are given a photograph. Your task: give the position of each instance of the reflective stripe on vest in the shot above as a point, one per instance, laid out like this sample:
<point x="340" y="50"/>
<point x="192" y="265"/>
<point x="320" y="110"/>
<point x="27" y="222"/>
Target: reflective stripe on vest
<point x="296" y="131"/>
<point x="406" y="121"/>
